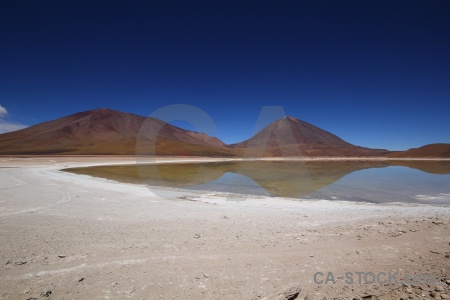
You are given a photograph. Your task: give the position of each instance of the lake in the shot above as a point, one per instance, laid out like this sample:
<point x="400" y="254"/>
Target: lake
<point x="426" y="182"/>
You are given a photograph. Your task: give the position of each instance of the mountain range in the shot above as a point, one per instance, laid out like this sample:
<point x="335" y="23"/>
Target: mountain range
<point x="108" y="132"/>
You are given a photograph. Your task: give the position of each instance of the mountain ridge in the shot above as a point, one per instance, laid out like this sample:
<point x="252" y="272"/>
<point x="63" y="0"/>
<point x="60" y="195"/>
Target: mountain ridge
<point x="437" y="150"/>
<point x="105" y="131"/>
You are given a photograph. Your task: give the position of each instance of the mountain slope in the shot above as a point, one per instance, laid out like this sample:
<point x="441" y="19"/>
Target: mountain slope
<point x="427" y="151"/>
<point x="292" y="137"/>
<point x="106" y="131"/>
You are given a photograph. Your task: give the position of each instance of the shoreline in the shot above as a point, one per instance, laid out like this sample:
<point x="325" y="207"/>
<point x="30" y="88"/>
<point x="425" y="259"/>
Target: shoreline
<point x="219" y="158"/>
<point x="87" y="237"/>
<point x="93" y="161"/>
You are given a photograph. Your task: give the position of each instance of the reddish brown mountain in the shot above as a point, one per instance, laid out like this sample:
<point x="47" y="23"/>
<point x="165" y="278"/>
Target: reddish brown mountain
<point x="106" y="131"/>
<point x="292" y="137"/>
<point x="427" y="151"/>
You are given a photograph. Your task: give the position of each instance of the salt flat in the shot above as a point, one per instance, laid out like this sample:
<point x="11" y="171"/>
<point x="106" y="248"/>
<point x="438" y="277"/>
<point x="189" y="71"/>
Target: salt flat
<point x="89" y="238"/>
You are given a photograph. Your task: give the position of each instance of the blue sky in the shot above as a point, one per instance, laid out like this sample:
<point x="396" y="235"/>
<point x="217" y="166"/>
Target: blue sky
<point x="375" y="73"/>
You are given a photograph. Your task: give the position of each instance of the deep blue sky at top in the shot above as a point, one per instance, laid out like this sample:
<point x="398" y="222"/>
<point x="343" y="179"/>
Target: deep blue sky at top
<point x="376" y="73"/>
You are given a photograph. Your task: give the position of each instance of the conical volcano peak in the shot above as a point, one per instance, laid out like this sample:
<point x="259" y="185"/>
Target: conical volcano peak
<point x="289" y="133"/>
<point x="289" y="120"/>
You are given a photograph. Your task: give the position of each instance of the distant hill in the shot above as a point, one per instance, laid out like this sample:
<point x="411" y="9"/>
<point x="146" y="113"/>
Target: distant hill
<point x="292" y="137"/>
<point x="427" y="151"/>
<point x="106" y="131"/>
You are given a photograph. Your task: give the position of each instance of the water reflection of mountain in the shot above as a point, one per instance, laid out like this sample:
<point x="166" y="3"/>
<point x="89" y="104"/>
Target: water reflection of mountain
<point x="294" y="179"/>
<point x="431" y="166"/>
<point x="280" y="178"/>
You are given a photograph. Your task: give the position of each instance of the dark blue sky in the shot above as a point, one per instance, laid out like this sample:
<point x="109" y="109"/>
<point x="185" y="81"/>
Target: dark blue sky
<point x="376" y="73"/>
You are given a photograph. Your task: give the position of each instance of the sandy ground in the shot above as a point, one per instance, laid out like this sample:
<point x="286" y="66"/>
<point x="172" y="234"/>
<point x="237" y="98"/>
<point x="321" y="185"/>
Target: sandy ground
<point x="68" y="236"/>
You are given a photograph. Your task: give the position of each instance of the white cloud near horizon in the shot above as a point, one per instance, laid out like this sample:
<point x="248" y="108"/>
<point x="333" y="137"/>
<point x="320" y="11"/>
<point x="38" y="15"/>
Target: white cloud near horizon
<point x="3" y="111"/>
<point x="7" y="126"/>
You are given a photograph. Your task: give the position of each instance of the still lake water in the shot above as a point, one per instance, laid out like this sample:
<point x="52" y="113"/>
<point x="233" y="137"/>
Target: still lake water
<point x="426" y="182"/>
